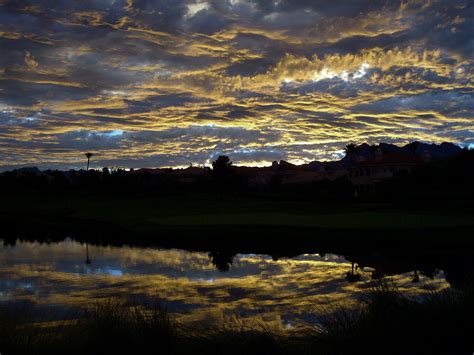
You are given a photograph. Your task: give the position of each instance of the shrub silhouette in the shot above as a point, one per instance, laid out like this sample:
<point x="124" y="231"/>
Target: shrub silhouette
<point x="221" y="167"/>
<point x="384" y="322"/>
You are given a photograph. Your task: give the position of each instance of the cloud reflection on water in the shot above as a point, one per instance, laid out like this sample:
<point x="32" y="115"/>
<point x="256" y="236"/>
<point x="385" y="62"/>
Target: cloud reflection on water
<point x="186" y="283"/>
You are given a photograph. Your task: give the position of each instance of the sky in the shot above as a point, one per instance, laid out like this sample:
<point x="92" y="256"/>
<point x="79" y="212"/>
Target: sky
<point x="167" y="83"/>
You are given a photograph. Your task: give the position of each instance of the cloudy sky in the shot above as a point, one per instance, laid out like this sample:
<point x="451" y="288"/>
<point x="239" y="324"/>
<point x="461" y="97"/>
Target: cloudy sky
<point x="173" y="82"/>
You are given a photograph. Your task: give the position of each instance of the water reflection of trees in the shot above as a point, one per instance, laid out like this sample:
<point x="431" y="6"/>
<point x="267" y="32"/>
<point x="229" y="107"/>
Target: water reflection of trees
<point x="88" y="259"/>
<point x="457" y="263"/>
<point x="222" y="260"/>
<point x="458" y="268"/>
<point x="353" y="275"/>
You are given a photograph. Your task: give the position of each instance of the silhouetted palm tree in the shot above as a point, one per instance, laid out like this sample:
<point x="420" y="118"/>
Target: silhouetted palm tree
<point x="351" y="276"/>
<point x="88" y="155"/>
<point x="88" y="259"/>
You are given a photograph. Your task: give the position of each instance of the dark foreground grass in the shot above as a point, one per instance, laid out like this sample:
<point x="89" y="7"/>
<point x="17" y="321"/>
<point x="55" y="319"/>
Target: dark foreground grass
<point x="149" y="215"/>
<point x="386" y="322"/>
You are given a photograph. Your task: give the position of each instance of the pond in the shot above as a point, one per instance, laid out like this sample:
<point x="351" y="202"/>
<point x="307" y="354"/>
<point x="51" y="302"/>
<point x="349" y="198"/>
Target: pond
<point x="203" y="287"/>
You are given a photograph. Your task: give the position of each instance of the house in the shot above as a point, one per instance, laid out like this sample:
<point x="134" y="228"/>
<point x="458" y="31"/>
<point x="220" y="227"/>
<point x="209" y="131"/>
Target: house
<point x="189" y="175"/>
<point x="365" y="174"/>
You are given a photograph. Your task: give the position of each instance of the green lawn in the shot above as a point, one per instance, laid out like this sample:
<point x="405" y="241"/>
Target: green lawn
<point x="210" y="210"/>
<point x="365" y="220"/>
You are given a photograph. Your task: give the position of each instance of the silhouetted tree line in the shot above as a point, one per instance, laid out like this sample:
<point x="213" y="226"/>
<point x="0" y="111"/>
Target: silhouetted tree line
<point x="452" y="178"/>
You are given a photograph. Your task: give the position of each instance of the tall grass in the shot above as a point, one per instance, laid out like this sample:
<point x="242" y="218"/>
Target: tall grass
<point x="385" y="322"/>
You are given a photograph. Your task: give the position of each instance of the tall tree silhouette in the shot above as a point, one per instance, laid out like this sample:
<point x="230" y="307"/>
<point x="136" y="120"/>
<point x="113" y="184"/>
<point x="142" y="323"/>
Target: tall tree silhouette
<point x="413" y="147"/>
<point x="222" y="260"/>
<point x="221" y="166"/>
<point x="350" y="150"/>
<point x="351" y="276"/>
<point x="373" y="148"/>
<point x="88" y="155"/>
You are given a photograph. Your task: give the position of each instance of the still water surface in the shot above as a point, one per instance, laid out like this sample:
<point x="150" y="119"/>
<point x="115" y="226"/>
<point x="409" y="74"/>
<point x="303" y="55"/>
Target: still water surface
<point x="188" y="284"/>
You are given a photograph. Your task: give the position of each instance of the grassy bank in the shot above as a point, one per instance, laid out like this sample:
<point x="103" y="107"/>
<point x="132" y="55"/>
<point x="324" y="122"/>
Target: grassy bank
<point x="152" y="215"/>
<point x="386" y="322"/>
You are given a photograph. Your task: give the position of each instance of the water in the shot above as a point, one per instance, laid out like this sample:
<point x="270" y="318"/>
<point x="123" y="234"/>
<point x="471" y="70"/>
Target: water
<point x="254" y="288"/>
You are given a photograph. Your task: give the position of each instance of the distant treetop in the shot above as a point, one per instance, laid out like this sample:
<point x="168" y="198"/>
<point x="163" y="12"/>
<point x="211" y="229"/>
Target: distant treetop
<point x="221" y="163"/>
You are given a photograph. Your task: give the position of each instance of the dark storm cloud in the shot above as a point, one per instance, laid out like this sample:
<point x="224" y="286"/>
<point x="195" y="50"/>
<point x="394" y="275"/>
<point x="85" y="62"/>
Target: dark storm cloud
<point x="169" y="82"/>
<point x="449" y="103"/>
<point x="98" y="140"/>
<point x="250" y="67"/>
